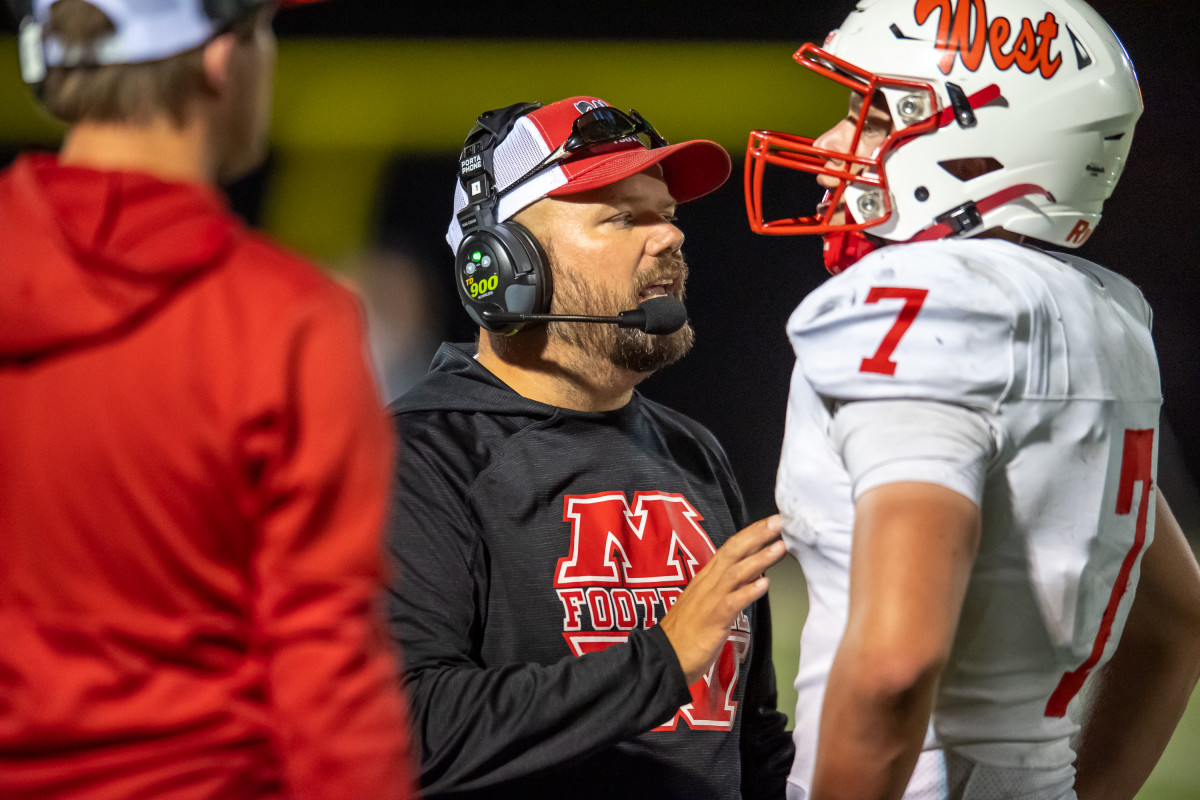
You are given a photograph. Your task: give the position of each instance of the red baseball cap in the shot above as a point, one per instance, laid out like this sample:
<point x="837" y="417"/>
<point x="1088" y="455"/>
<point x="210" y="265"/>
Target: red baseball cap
<point x="691" y="169"/>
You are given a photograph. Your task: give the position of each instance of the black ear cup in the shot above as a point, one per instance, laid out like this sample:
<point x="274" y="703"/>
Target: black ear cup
<point x="499" y="266"/>
<point x="502" y="268"/>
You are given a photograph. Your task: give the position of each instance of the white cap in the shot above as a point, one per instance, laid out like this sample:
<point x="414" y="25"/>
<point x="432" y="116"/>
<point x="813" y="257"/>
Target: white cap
<point x="146" y="30"/>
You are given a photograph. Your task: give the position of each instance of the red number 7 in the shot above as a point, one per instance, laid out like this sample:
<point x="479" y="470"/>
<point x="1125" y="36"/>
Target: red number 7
<point x="882" y="362"/>
<point x="1137" y="461"/>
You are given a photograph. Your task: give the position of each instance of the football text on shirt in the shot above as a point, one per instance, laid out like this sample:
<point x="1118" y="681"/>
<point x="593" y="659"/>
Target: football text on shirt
<point x="626" y="567"/>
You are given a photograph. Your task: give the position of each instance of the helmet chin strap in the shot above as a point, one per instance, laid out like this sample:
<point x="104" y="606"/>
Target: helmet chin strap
<point x="950" y="224"/>
<point x="844" y="248"/>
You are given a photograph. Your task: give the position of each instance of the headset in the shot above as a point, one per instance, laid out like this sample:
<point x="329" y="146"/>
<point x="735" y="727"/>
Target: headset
<point x="502" y="272"/>
<point x="499" y="267"/>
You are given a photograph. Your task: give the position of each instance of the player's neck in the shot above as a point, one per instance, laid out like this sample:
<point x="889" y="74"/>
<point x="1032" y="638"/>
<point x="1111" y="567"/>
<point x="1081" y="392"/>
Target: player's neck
<point x="561" y="377"/>
<point x="159" y="148"/>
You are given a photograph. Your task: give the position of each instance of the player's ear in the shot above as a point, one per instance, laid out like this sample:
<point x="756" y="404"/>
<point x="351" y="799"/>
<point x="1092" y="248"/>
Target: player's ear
<point x="216" y="57"/>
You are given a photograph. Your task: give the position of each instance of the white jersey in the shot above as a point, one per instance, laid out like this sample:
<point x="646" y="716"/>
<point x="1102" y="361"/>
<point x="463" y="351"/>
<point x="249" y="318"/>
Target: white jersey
<point x="1056" y="353"/>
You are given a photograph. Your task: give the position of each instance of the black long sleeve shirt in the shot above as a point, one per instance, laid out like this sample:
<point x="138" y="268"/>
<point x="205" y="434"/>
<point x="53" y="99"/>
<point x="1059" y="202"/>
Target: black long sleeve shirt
<point x="537" y="548"/>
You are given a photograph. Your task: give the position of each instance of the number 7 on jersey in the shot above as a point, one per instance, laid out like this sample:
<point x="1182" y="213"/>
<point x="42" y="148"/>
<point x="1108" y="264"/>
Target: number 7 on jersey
<point x="1137" y="467"/>
<point x="882" y="362"/>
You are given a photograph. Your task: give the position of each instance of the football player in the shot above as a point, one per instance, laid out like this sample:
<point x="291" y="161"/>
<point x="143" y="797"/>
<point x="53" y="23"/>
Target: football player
<point x="967" y="475"/>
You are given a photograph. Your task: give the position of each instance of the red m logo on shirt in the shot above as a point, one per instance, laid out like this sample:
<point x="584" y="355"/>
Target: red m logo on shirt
<point x="630" y="561"/>
<point x="658" y="541"/>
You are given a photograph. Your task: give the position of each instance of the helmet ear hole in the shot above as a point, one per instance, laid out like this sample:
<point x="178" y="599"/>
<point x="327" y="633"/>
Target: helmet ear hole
<point x="966" y="169"/>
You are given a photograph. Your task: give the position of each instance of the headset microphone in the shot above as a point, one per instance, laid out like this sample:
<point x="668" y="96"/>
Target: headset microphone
<point x="659" y="315"/>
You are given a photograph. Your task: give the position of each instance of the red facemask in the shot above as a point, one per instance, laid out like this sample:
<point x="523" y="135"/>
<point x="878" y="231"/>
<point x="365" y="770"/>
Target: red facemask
<point x="791" y="151"/>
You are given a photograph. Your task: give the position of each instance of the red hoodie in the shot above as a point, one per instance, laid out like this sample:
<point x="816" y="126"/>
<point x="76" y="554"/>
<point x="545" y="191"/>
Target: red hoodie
<point x="193" y="471"/>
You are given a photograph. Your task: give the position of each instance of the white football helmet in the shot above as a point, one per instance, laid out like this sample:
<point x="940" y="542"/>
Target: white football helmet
<point x="1014" y="114"/>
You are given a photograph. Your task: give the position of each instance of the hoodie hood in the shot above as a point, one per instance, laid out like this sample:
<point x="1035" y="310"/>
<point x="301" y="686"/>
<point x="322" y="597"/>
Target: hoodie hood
<point x="84" y="252"/>
<point x="457" y="382"/>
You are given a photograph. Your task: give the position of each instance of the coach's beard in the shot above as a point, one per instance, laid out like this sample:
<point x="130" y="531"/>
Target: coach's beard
<point x="626" y="348"/>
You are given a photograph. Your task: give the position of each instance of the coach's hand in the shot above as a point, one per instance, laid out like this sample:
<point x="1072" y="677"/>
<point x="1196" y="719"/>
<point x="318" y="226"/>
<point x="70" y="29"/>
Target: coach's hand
<point x="699" y="622"/>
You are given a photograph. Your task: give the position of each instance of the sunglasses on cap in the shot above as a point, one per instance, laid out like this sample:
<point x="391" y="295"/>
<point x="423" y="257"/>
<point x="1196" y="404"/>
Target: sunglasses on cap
<point x="598" y="126"/>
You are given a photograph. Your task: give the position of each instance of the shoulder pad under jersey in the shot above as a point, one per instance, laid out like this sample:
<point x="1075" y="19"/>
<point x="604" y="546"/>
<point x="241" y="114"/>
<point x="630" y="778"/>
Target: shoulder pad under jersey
<point x="925" y="321"/>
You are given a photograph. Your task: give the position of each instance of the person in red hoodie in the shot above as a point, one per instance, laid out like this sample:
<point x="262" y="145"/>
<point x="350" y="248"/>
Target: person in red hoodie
<point x="193" y="457"/>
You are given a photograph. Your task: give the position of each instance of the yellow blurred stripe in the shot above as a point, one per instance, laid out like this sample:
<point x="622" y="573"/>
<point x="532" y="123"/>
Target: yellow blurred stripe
<point x="342" y="106"/>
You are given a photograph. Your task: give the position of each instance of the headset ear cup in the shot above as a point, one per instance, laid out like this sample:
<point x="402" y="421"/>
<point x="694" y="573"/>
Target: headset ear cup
<point x="501" y="268"/>
<point x="539" y="265"/>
